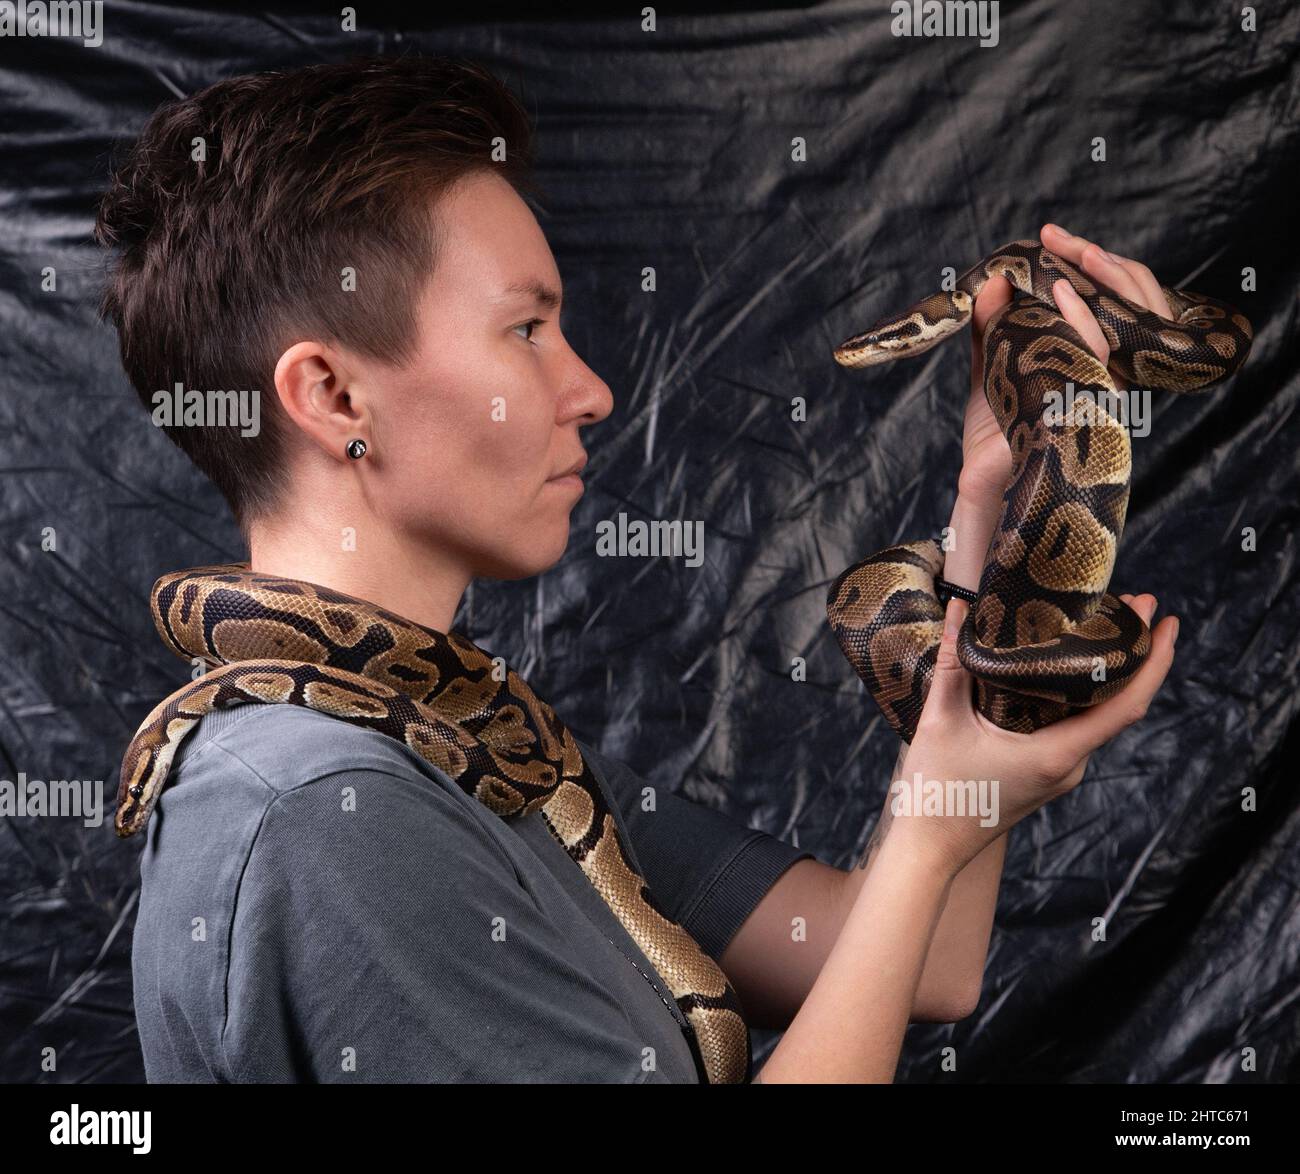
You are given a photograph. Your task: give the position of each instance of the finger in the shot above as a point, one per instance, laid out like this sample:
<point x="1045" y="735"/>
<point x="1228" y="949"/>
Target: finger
<point x="1128" y="277"/>
<point x="1081" y="318"/>
<point x="1145" y="606"/>
<point x="1126" y="597"/>
<point x="1153" y="297"/>
<point x="1111" y="271"/>
<point x="950" y="683"/>
<point x="1064" y="244"/>
<point x="996" y="293"/>
<point x="1140" y="284"/>
<point x="1084" y="732"/>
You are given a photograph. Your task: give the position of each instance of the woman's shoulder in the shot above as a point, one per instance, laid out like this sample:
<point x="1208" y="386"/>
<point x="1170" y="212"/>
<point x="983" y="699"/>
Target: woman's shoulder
<point x="256" y="767"/>
<point x="288" y="746"/>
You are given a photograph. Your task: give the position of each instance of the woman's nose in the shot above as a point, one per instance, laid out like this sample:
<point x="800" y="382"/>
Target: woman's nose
<point x="589" y="396"/>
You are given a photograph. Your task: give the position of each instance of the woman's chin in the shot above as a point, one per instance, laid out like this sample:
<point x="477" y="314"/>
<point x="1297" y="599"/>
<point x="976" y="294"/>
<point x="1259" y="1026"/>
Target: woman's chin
<point x="540" y="554"/>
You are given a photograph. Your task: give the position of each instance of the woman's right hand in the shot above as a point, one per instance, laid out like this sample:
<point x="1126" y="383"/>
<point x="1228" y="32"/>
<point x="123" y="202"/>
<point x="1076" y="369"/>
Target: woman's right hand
<point x="955" y="742"/>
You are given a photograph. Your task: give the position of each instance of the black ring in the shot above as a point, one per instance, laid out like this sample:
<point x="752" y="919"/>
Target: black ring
<point x="942" y="587"/>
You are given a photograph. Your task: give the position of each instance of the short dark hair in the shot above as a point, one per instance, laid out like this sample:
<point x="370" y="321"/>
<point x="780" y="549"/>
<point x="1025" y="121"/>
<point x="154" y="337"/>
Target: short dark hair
<point x="307" y="171"/>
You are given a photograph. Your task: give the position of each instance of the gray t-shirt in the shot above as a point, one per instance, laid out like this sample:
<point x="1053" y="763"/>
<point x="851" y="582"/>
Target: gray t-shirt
<point x="318" y="903"/>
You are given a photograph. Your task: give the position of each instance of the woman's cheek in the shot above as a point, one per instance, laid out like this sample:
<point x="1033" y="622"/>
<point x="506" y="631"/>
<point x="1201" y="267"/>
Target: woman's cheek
<point x="521" y="438"/>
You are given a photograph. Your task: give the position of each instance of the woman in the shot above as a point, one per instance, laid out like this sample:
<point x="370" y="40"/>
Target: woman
<point x="319" y="902"/>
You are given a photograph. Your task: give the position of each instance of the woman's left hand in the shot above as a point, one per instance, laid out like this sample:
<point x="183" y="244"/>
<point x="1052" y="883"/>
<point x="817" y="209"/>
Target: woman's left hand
<point x="986" y="458"/>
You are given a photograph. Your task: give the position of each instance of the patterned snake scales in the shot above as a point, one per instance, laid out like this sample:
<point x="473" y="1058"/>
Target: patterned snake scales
<point x="281" y="641"/>
<point x="1043" y="638"/>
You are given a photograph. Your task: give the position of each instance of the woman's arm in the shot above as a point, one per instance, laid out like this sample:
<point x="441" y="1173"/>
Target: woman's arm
<point x="779" y="951"/>
<point x="950" y="983"/>
<point x="850" y="1026"/>
<point x="774" y="969"/>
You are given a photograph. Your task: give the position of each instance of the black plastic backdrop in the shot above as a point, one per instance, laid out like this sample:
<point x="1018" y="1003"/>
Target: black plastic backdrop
<point x="673" y="149"/>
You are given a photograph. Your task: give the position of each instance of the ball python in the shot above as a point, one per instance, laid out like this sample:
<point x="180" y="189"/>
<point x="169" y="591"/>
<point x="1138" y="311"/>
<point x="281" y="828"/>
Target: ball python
<point x="1043" y="637"/>
<point x="273" y="640"/>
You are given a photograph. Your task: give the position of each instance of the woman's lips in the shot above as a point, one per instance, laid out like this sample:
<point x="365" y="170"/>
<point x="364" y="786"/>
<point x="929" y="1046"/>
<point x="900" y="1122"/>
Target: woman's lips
<point x="573" y="478"/>
<point x="568" y="481"/>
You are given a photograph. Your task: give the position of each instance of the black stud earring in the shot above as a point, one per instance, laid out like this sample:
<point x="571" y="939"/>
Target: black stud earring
<point x="356" y="449"/>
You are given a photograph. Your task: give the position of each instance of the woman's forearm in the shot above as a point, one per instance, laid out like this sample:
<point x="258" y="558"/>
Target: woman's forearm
<point x="954" y="967"/>
<point x="966" y="541"/>
<point x="850" y="1027"/>
<point x="933" y="965"/>
<point x="949" y="988"/>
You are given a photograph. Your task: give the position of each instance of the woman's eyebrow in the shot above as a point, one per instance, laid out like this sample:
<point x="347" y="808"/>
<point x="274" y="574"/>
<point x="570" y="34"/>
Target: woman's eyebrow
<point x="541" y="293"/>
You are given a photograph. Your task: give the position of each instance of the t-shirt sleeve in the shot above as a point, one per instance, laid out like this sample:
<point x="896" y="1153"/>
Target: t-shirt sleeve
<point x="376" y="908"/>
<point x="705" y="869"/>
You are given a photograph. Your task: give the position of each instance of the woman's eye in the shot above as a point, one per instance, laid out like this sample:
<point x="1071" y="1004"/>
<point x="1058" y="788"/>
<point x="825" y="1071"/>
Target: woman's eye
<point x="531" y="324"/>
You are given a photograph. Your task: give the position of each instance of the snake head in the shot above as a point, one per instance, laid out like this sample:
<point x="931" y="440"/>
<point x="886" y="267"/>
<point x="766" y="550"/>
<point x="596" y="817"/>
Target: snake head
<point x="134" y="802"/>
<point x="925" y="325"/>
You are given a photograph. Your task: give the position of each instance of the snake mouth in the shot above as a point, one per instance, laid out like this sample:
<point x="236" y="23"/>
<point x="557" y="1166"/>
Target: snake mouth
<point x="869" y="350"/>
<point x="915" y="332"/>
<point x="126" y="821"/>
<point x="883" y="343"/>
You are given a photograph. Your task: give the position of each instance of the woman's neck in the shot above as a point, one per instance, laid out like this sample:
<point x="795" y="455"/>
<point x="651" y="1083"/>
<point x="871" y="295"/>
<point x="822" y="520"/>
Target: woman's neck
<point x="369" y="563"/>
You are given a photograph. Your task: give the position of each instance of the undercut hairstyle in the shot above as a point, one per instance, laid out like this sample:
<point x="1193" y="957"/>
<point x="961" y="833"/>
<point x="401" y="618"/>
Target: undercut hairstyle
<point x="238" y="209"/>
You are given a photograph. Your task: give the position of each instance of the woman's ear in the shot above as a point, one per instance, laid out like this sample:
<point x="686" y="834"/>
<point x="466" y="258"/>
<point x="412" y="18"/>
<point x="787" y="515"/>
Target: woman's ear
<point x="314" y="387"/>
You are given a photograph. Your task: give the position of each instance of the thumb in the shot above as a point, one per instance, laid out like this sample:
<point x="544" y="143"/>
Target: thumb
<point x="950" y="683"/>
<point x="997" y="292"/>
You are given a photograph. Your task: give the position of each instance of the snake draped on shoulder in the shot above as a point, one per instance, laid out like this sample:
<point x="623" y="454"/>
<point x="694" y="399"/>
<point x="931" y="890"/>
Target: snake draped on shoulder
<point x="1044" y="638"/>
<point x="276" y="641"/>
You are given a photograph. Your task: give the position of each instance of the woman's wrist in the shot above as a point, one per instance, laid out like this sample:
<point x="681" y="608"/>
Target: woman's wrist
<point x="912" y="842"/>
<point x="982" y="484"/>
<point x="970" y="530"/>
<point x="919" y="841"/>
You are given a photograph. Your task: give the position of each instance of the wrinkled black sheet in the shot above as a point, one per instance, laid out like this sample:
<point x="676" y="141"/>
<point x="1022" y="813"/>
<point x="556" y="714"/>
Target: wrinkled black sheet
<point x="672" y="149"/>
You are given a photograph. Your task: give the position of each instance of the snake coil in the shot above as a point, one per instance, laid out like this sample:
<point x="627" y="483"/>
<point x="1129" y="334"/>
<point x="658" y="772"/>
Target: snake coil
<point x="277" y="641"/>
<point x="1044" y="638"/>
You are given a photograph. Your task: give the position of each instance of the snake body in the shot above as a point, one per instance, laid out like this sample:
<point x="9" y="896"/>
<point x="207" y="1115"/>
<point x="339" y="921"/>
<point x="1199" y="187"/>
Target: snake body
<point x="271" y="640"/>
<point x="1043" y="638"/>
